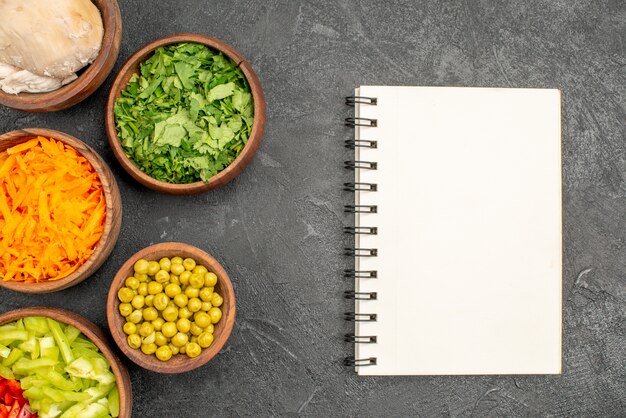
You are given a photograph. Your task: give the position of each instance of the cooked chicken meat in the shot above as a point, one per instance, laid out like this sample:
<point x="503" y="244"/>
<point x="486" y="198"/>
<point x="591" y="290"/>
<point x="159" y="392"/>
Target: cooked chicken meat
<point x="43" y="43"/>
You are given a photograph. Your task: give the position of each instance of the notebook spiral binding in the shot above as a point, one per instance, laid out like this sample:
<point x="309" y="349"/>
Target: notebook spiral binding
<point x="367" y="165"/>
<point x="351" y="361"/>
<point x="360" y="274"/>
<point x="358" y="362"/>
<point x="363" y="339"/>
<point x="361" y="143"/>
<point x="349" y="294"/>
<point x="360" y="208"/>
<point x="352" y="100"/>
<point x="368" y="230"/>
<point x="361" y="122"/>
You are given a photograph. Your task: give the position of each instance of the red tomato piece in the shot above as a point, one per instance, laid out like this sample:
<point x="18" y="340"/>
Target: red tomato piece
<point x="12" y="401"/>
<point x="15" y="410"/>
<point x="26" y="412"/>
<point x="14" y="387"/>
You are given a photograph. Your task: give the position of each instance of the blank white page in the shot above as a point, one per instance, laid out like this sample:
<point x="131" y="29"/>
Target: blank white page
<point x="469" y="231"/>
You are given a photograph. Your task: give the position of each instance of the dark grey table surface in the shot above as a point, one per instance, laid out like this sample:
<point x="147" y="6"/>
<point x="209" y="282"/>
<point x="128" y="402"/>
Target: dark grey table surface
<point x="277" y="228"/>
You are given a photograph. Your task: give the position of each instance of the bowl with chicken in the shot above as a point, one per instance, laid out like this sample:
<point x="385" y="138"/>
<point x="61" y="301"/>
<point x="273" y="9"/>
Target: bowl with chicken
<point x="55" y="54"/>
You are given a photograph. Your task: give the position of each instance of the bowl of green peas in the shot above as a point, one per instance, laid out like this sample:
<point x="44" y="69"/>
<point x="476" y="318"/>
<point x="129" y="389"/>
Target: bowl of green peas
<point x="171" y="308"/>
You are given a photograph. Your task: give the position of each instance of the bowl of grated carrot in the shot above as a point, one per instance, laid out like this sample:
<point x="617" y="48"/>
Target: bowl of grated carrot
<point x="60" y="211"/>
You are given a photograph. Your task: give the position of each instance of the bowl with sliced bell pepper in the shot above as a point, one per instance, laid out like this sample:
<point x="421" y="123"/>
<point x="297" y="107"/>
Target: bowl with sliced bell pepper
<point x="55" y="363"/>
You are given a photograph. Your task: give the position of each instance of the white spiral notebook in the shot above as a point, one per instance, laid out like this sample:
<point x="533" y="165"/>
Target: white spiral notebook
<point x="457" y="231"/>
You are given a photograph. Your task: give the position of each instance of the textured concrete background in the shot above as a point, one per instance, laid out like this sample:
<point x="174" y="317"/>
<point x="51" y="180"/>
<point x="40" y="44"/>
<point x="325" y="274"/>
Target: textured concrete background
<point x="277" y="227"/>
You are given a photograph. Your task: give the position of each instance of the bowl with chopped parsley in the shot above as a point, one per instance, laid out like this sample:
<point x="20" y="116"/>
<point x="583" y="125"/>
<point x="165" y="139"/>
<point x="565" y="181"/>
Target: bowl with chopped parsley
<point x="185" y="114"/>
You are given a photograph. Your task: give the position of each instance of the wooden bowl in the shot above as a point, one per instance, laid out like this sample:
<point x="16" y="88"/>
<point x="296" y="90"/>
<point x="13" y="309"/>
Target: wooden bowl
<point x="90" y="78"/>
<point x="236" y="167"/>
<point x="113" y="219"/>
<point x="95" y="335"/>
<point x="179" y="363"/>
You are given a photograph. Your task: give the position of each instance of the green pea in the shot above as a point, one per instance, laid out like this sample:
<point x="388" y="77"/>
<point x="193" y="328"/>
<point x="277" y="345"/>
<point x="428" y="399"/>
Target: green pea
<point x="132" y="282"/>
<point x="177" y="260"/>
<point x="202" y="319"/>
<point x="135" y="317"/>
<point x="150" y="314"/>
<point x="199" y="269"/>
<point x="153" y="267"/>
<point x="160" y="339"/>
<point x="165" y="264"/>
<point x="180" y="339"/>
<point x="158" y="323"/>
<point x="216" y="299"/>
<point x="180" y="300"/>
<point x="206" y="306"/>
<point x="162" y="276"/>
<point x="149" y="348"/>
<point x="194" y="304"/>
<point x="138" y="302"/>
<point x="154" y="288"/>
<point x="210" y="329"/>
<point x="141" y="266"/>
<point x="141" y="277"/>
<point x="125" y="309"/>
<point x="148" y="300"/>
<point x="189" y="263"/>
<point x="125" y="294"/>
<point x="160" y="301"/>
<point x="146" y="329"/>
<point x="192" y="292"/>
<point x="184" y="312"/>
<point x="174" y="279"/>
<point x="210" y="279"/>
<point x="205" y="339"/>
<point x="177" y="269"/>
<point x="175" y="350"/>
<point x="215" y="314"/>
<point x="170" y="314"/>
<point x="164" y="353"/>
<point x="183" y="325"/>
<point x="206" y="294"/>
<point x="150" y="339"/>
<point x="196" y="280"/>
<point x="195" y="329"/>
<point x="130" y="328"/>
<point x="134" y="341"/>
<point x="193" y="350"/>
<point x="172" y="290"/>
<point x="169" y="329"/>
<point x="184" y="277"/>
<point x="143" y="289"/>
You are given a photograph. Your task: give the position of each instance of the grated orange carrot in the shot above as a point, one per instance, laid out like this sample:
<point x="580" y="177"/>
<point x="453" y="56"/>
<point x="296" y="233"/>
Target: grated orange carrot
<point x="52" y="210"/>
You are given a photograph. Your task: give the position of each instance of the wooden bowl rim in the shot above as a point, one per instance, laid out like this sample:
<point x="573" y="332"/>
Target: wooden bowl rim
<point x="91" y="331"/>
<point x="230" y="171"/>
<point x="62" y="97"/>
<point x="109" y="189"/>
<point x="116" y="322"/>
